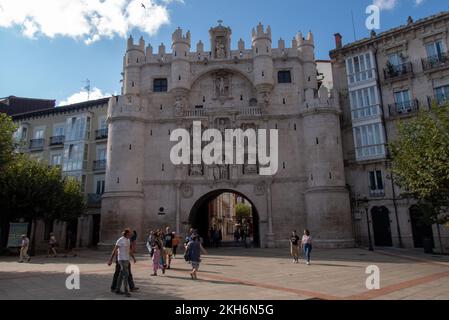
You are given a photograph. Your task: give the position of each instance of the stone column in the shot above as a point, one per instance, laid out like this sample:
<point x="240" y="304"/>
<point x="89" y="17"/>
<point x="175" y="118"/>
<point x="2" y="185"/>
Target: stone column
<point x="270" y="234"/>
<point x="178" y="209"/>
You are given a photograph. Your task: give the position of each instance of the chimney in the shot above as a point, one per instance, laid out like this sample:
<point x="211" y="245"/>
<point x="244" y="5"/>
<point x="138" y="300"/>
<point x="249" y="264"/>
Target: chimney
<point x="338" y="41"/>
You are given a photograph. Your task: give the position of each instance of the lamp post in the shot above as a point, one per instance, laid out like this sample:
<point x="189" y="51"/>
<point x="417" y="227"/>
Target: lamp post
<point x="369" y="228"/>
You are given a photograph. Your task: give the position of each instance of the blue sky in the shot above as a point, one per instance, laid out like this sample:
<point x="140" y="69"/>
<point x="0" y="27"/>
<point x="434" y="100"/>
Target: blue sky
<point x="46" y="59"/>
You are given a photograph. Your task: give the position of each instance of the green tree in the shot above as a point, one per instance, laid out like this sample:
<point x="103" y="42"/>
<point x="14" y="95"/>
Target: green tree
<point x="420" y="158"/>
<point x="29" y="189"/>
<point x="7" y="129"/>
<point x="242" y="211"/>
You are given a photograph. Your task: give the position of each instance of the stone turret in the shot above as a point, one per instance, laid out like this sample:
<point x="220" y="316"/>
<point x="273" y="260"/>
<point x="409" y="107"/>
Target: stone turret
<point x="326" y="197"/>
<point x="180" y="67"/>
<point x="263" y="61"/>
<point x="306" y="48"/>
<point x="134" y="59"/>
<point x="122" y="203"/>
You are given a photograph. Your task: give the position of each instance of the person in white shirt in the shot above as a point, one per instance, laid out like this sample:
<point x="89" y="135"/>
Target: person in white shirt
<point x="306" y="244"/>
<point x="123" y="251"/>
<point x="24" y="249"/>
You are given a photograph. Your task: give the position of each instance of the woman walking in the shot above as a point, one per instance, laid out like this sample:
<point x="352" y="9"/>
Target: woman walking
<point x="195" y="249"/>
<point x="306" y="245"/>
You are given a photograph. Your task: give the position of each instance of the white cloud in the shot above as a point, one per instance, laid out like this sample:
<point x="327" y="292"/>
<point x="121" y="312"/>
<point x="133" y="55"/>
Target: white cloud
<point x="88" y="20"/>
<point x="391" y="4"/>
<point x="83" y="96"/>
<point x="386" y="4"/>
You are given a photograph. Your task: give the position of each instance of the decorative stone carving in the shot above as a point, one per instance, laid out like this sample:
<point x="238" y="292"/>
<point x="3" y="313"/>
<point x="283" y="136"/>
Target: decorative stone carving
<point x="222" y="85"/>
<point x="221" y="172"/>
<point x="180" y="106"/>
<point x="260" y="189"/>
<point x="196" y="170"/>
<point x="250" y="169"/>
<point x="220" y="52"/>
<point x="187" y="191"/>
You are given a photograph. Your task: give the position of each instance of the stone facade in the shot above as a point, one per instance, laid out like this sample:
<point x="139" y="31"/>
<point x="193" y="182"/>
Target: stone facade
<point x="381" y="81"/>
<point x="257" y="87"/>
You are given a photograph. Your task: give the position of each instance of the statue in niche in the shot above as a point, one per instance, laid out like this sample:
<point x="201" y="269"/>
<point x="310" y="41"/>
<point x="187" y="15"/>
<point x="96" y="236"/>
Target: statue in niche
<point x="222" y="86"/>
<point x="220" y="49"/>
<point x="179" y="106"/>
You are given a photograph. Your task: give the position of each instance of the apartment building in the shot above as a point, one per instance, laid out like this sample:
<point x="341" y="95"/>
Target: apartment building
<point x="383" y="80"/>
<point x="73" y="138"/>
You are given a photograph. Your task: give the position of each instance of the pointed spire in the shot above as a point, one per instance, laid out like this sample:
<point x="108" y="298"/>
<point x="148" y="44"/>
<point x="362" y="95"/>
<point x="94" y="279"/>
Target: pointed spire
<point x="130" y="41"/>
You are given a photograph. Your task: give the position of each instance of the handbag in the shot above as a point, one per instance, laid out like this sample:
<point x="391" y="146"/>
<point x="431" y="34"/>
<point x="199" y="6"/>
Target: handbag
<point x="187" y="255"/>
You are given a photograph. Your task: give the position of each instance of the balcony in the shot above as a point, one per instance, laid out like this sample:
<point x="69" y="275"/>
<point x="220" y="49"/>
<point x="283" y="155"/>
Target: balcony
<point x="394" y="72"/>
<point x="37" y="144"/>
<point x="99" y="165"/>
<point x="436" y="62"/>
<point x="57" y="141"/>
<point x="101" y="134"/>
<point x="238" y="110"/>
<point x="94" y="200"/>
<point x="377" y="193"/>
<point x="403" y="108"/>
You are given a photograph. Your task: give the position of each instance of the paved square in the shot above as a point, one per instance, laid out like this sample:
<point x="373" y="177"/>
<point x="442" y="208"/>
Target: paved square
<point x="239" y="274"/>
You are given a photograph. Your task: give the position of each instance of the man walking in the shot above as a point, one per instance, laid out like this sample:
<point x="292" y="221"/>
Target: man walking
<point x="123" y="251"/>
<point x="168" y="247"/>
<point x="24" y="249"/>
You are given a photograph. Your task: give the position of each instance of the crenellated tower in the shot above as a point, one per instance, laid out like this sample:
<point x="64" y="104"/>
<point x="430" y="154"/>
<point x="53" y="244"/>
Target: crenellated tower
<point x="122" y="203"/>
<point x="263" y="60"/>
<point x="134" y="59"/>
<point x="326" y="197"/>
<point x="306" y="48"/>
<point x="180" y="66"/>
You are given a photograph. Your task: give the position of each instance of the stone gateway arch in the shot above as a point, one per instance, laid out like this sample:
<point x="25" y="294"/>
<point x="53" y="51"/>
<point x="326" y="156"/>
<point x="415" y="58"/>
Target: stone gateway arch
<point x="260" y="87"/>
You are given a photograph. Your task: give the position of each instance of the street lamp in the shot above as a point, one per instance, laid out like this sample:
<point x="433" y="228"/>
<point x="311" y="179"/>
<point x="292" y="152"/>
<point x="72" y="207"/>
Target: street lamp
<point x="369" y="230"/>
<point x="366" y="205"/>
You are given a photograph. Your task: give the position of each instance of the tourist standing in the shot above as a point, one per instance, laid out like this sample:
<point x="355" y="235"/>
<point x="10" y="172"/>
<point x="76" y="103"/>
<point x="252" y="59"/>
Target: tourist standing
<point x="52" y="246"/>
<point x="24" y="249"/>
<point x="151" y="243"/>
<point x="168" y="247"/>
<point x="133" y="248"/>
<point x="123" y="251"/>
<point x="306" y="244"/>
<point x="157" y="254"/>
<point x="175" y="243"/>
<point x="294" y="247"/>
<point x="195" y="249"/>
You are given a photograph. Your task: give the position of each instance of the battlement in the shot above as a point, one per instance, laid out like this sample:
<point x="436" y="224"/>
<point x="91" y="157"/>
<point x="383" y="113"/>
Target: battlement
<point x="283" y="50"/>
<point x="140" y="46"/>
<point x="321" y="99"/>
<point x="178" y="37"/>
<point x="260" y="33"/>
<point x="301" y="41"/>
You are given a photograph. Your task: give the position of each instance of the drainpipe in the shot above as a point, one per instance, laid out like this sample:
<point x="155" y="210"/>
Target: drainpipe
<point x="388" y="153"/>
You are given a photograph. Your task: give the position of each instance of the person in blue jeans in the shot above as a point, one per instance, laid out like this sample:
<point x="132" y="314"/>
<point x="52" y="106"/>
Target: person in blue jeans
<point x="306" y="245"/>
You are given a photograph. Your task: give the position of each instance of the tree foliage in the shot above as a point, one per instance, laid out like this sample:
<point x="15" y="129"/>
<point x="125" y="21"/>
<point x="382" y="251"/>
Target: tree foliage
<point x="7" y="129"/>
<point x="420" y="155"/>
<point x="420" y="162"/>
<point x="31" y="190"/>
<point x="242" y="211"/>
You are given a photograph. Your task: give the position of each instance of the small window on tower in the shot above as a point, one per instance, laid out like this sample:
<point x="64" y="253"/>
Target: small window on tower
<point x="160" y="85"/>
<point x="284" y="76"/>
